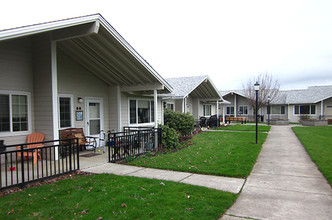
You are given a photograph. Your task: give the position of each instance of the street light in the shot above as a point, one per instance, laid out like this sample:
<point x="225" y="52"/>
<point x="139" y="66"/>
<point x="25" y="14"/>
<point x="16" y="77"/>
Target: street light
<point x="256" y="87"/>
<point x="268" y="110"/>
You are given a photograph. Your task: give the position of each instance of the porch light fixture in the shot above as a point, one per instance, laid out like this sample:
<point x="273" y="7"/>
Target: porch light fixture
<point x="80" y="100"/>
<point x="256" y="87"/>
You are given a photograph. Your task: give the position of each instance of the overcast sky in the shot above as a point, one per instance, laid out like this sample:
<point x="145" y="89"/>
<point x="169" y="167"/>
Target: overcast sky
<point x="228" y="40"/>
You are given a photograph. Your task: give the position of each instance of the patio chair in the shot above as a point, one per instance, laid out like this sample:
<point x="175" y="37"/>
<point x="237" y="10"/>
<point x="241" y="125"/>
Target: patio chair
<point x="32" y="138"/>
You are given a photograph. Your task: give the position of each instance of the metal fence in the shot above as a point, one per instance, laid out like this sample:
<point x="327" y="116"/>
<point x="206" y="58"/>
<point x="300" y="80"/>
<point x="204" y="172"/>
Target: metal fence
<point x="133" y="141"/>
<point x="18" y="167"/>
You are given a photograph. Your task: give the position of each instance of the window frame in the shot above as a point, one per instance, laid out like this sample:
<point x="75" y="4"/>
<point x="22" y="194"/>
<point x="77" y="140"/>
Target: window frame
<point x="244" y="106"/>
<point x="171" y="104"/>
<point x="229" y="107"/>
<point x="280" y="107"/>
<point x="310" y="109"/>
<point x="151" y="101"/>
<point x="204" y="110"/>
<point x="11" y="132"/>
<point x="72" y="112"/>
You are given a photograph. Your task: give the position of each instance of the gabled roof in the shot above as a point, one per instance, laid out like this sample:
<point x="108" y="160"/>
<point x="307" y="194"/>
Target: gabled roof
<point x="196" y="86"/>
<point x="312" y="94"/>
<point x="95" y="44"/>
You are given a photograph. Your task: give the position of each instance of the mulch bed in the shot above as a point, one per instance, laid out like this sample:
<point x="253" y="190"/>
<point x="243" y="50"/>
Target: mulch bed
<point x="43" y="182"/>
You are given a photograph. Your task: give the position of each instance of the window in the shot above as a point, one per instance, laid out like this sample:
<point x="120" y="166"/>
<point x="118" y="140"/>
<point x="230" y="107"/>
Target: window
<point x="207" y="110"/>
<point x="170" y="106"/>
<point x="14" y="112"/>
<point x="230" y="110"/>
<point x="305" y="109"/>
<point x="277" y="110"/>
<point x="243" y="110"/>
<point x="65" y="112"/>
<point x="141" y="111"/>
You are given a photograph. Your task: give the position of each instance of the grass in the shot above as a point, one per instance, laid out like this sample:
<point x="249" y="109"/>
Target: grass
<point x="239" y="127"/>
<point x="109" y="196"/>
<point x="318" y="143"/>
<point x="230" y="154"/>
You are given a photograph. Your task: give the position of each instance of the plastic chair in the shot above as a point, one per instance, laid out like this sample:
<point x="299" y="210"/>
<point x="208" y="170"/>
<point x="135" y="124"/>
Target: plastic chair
<point x="32" y="138"/>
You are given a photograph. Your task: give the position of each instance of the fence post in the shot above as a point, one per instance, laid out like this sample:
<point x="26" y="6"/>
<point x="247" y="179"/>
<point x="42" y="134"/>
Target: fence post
<point x="78" y="155"/>
<point x="22" y="163"/>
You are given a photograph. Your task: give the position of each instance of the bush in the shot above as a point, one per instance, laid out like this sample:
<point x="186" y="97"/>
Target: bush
<point x="169" y="137"/>
<point x="181" y="122"/>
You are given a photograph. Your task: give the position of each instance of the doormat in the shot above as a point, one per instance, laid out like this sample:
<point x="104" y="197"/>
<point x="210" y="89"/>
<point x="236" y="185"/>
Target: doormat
<point x="89" y="155"/>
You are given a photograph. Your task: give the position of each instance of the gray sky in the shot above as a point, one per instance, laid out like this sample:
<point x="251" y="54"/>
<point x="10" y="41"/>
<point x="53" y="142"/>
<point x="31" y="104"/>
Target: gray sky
<point x="228" y="40"/>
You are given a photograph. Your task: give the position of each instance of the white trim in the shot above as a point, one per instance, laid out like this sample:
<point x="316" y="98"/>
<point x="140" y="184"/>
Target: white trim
<point x="244" y="106"/>
<point x="119" y="107"/>
<point x="304" y="105"/>
<point x="11" y="132"/>
<point x="72" y="111"/>
<point x="140" y="124"/>
<point x="155" y="103"/>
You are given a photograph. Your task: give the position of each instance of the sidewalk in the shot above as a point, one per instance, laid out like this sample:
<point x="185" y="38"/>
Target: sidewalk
<point x="284" y="184"/>
<point x="233" y="185"/>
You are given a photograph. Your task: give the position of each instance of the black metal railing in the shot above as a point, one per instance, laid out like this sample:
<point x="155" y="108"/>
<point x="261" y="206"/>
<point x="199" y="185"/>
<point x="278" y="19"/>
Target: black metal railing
<point x="20" y="164"/>
<point x="133" y="141"/>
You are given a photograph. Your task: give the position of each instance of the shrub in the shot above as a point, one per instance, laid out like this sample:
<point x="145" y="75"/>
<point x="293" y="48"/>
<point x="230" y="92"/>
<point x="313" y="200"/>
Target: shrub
<point x="169" y="137"/>
<point x="182" y="122"/>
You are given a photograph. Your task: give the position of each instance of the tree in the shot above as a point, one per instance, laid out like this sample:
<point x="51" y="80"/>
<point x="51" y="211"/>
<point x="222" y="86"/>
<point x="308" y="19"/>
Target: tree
<point x="268" y="87"/>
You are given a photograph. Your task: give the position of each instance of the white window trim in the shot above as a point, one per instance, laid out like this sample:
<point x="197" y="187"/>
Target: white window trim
<point x="17" y="133"/>
<point x="140" y="124"/>
<point x="230" y="107"/>
<point x="279" y="110"/>
<point x="205" y="111"/>
<point x="171" y="103"/>
<point x="244" y="106"/>
<point x="71" y="107"/>
<point x="304" y="105"/>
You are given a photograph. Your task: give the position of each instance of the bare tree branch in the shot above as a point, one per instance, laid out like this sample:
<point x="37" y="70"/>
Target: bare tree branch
<point x="268" y="87"/>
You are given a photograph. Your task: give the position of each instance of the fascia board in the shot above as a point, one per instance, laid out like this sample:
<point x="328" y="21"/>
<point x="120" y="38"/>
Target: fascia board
<point x="44" y="27"/>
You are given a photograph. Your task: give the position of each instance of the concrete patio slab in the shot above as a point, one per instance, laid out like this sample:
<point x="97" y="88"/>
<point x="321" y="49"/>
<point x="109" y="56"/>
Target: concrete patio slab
<point x="227" y="184"/>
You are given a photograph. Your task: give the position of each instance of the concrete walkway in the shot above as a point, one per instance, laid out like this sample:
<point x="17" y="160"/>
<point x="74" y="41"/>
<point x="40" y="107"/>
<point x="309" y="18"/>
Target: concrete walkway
<point x="233" y="185"/>
<point x="284" y="184"/>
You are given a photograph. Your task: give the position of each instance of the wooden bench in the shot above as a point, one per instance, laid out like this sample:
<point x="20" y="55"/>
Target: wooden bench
<point x="83" y="140"/>
<point x="241" y="119"/>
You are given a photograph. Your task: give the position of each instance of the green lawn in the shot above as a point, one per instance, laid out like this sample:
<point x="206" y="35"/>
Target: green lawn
<point x="109" y="196"/>
<point x="230" y="154"/>
<point x="240" y="127"/>
<point x="318" y="143"/>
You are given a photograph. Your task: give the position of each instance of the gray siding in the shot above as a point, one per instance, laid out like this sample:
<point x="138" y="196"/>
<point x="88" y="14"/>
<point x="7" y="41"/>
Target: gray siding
<point x="16" y="74"/>
<point x="75" y="80"/>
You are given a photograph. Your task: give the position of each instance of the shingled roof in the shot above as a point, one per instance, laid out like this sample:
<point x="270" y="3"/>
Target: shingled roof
<point x="197" y="86"/>
<point x="312" y="94"/>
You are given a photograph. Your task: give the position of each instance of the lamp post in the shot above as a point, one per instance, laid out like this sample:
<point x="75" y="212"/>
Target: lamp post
<point x="268" y="110"/>
<point x="256" y="87"/>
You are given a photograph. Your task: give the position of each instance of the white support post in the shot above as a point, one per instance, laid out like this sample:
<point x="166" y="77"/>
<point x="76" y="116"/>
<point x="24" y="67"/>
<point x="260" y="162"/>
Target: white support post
<point x="217" y="112"/>
<point x="322" y="109"/>
<point x="223" y="112"/>
<point x="118" y="103"/>
<point x="54" y="73"/>
<point x="183" y="103"/>
<point x="235" y="106"/>
<point x="155" y="99"/>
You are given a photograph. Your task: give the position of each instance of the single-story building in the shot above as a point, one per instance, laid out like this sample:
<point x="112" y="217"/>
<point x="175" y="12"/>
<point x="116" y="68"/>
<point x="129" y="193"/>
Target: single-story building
<point x="77" y="72"/>
<point x="314" y="102"/>
<point x="196" y="95"/>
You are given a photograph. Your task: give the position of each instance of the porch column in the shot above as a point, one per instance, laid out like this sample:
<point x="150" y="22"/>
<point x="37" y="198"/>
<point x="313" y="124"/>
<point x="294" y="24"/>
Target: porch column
<point x="322" y="109"/>
<point x="223" y="112"/>
<point x="155" y="102"/>
<point x="118" y="104"/>
<point x="183" y="103"/>
<point x="235" y="106"/>
<point x="54" y="72"/>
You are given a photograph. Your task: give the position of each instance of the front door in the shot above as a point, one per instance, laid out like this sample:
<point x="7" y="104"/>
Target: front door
<point x="94" y="116"/>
